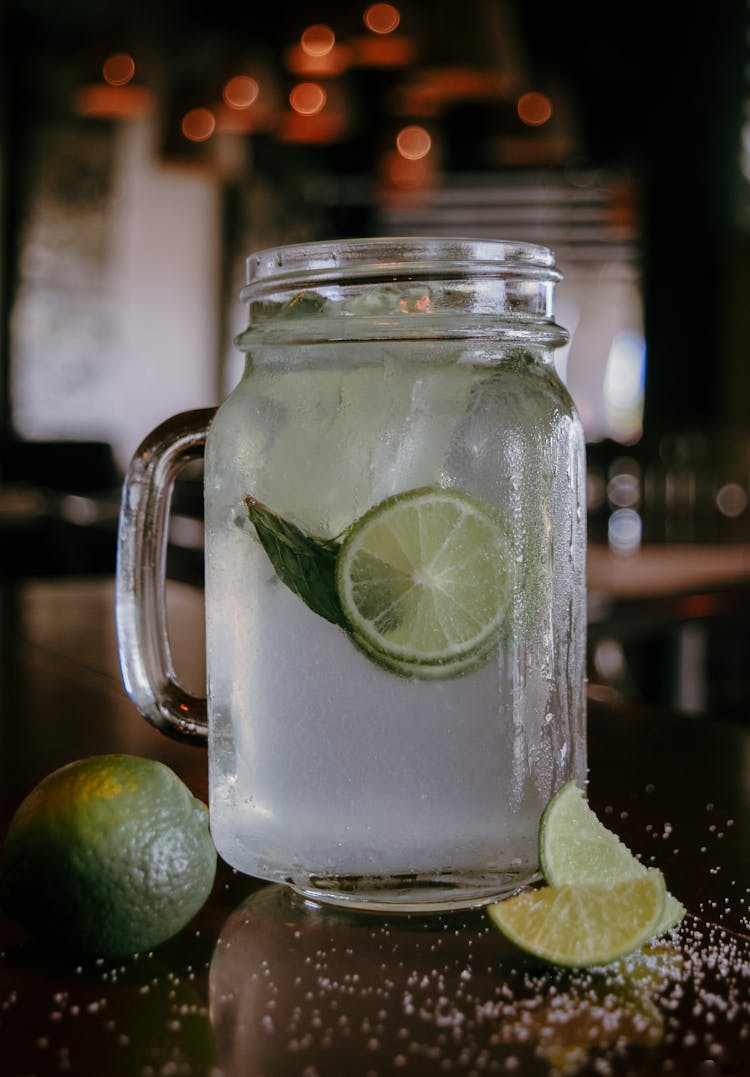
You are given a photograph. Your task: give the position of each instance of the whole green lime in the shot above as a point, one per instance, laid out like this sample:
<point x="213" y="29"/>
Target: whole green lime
<point x="110" y="855"/>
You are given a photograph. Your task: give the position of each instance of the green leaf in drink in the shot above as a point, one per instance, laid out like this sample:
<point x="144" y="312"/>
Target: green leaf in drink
<point x="304" y="562"/>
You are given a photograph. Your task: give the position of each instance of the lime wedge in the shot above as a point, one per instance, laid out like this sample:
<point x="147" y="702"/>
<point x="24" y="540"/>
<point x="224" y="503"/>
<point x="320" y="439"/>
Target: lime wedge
<point x="575" y="848"/>
<point x="583" y="925"/>
<point x="424" y="580"/>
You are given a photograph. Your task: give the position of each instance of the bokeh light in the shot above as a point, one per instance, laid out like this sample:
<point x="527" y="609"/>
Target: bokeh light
<point x="406" y="176"/>
<point x="381" y="18"/>
<point x="624" y="384"/>
<point x="118" y="69"/>
<point x="241" y="91"/>
<point x="534" y="109"/>
<point x="113" y="102"/>
<point x="413" y="142"/>
<point x="317" y="40"/>
<point x="307" y="98"/>
<point x="731" y="499"/>
<point x="198" y="124"/>
<point x="624" y="530"/>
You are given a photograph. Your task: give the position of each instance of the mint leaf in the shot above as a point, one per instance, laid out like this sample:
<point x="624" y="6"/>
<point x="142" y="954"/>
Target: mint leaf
<point x="304" y="562"/>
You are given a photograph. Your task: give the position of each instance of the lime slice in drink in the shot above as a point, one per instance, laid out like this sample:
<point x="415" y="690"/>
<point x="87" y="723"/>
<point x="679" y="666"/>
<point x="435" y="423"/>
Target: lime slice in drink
<point x="434" y="671"/>
<point x="576" y="848"/>
<point x="424" y="579"/>
<point x="583" y="925"/>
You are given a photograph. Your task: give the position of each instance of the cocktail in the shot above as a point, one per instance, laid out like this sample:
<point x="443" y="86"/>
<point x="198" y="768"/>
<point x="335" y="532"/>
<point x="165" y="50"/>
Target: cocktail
<point x="395" y="544"/>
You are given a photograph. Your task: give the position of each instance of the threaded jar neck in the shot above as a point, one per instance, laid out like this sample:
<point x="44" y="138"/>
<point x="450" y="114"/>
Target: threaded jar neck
<point x="402" y="288"/>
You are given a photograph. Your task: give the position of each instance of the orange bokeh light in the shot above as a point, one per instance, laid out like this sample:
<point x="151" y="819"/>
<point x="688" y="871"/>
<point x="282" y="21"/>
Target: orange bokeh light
<point x="401" y="174"/>
<point x="534" y="109"/>
<point x="241" y="91"/>
<point x="413" y="142"/>
<point x="260" y="116"/>
<point x="325" y="127"/>
<point x="113" y="102"/>
<point x="381" y="18"/>
<point x="317" y="40"/>
<point x="396" y="50"/>
<point x="329" y="65"/>
<point x="118" y="69"/>
<point x="198" y="124"/>
<point x="307" y="98"/>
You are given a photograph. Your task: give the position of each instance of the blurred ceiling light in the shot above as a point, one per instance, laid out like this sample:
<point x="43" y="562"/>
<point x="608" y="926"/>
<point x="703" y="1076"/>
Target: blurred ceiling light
<point x="623" y="387"/>
<point x="241" y="92"/>
<point x="624" y="531"/>
<point x="433" y="90"/>
<point x="317" y="40"/>
<point x="323" y="65"/>
<point x="118" y="69"/>
<point x="395" y="50"/>
<point x="236" y="121"/>
<point x="257" y="117"/>
<point x="731" y="499"/>
<point x="104" y="102"/>
<point x="307" y="98"/>
<point x="521" y="151"/>
<point x="405" y="176"/>
<point x="624" y="491"/>
<point x="198" y="124"/>
<point x="534" y="109"/>
<point x="381" y="18"/>
<point x="413" y="142"/>
<point x="320" y="128"/>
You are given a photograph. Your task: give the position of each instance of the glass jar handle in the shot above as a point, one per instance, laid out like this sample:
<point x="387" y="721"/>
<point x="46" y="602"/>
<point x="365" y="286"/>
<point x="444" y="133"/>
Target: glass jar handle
<point x="140" y="608"/>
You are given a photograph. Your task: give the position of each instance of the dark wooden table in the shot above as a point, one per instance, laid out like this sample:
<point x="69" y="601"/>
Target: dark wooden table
<point x="260" y="985"/>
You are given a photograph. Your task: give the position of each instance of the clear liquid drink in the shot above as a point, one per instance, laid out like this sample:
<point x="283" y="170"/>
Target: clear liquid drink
<point x="395" y="544"/>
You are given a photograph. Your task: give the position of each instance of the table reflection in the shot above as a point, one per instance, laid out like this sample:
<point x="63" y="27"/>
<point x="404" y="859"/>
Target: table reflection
<point x="295" y="989"/>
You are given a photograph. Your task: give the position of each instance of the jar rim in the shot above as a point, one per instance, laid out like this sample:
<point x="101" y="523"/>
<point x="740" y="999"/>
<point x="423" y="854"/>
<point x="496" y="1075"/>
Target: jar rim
<point x="386" y="257"/>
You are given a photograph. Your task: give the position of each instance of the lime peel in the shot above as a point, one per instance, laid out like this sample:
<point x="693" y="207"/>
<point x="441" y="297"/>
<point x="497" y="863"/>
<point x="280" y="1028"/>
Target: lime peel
<point x="109" y="855"/>
<point x="576" y="848"/>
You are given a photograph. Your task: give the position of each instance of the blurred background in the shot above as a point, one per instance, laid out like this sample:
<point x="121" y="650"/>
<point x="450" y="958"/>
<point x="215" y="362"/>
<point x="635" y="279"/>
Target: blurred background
<point x="147" y="148"/>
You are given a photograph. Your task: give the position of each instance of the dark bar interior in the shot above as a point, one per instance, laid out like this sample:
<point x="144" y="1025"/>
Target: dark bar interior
<point x="635" y="179"/>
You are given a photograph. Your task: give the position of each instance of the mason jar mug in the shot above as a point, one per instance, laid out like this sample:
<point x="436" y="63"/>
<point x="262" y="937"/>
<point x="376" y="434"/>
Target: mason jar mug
<point x="394" y="574"/>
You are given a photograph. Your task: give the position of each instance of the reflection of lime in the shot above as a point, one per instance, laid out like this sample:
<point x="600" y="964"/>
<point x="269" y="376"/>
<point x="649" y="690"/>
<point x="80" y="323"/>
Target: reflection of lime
<point x="583" y="925"/>
<point x="581" y="1017"/>
<point x="423" y="579"/>
<point x="533" y="579"/>
<point x="109" y="855"/>
<point x="574" y="847"/>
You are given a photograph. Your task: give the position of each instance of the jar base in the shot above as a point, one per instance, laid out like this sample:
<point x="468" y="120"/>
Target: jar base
<point x="421" y="894"/>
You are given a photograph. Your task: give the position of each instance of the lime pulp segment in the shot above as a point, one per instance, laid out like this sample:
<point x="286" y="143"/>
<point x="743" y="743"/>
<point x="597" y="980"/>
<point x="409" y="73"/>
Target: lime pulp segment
<point x="583" y="925"/>
<point x="424" y="578"/>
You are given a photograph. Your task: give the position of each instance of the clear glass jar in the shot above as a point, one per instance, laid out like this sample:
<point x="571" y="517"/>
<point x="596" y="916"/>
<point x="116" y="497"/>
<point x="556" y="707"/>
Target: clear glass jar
<point x="395" y="594"/>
